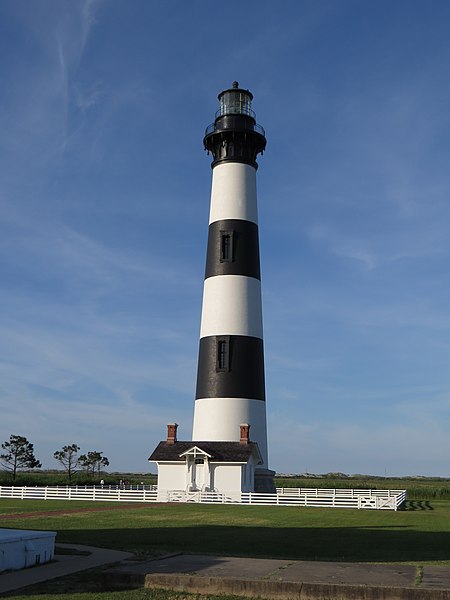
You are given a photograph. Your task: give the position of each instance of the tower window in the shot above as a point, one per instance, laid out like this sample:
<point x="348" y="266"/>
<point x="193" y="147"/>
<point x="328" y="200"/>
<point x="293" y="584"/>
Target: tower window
<point x="226" y="246"/>
<point x="223" y="353"/>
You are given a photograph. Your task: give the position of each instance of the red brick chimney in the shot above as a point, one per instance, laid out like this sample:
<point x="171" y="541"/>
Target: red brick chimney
<point x="245" y="433"/>
<point x="172" y="433"/>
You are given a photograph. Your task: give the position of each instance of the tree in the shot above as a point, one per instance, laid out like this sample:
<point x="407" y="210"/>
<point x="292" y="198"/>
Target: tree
<point x="68" y="458"/>
<point x="19" y="453"/>
<point x="93" y="462"/>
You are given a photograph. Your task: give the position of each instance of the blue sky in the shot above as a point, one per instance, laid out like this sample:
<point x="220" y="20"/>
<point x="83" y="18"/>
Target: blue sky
<point x="104" y="203"/>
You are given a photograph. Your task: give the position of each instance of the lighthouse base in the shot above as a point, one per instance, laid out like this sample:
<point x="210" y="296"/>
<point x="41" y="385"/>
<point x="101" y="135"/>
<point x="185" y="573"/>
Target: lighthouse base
<point x="264" y="483"/>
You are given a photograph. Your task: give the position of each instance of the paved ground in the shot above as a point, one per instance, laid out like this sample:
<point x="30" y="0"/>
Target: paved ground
<point x="63" y="565"/>
<point x="283" y="579"/>
<point x="286" y="579"/>
<point x="280" y="570"/>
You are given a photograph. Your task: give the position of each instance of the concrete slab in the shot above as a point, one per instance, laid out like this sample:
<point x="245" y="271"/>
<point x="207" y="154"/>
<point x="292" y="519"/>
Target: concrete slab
<point x="350" y="573"/>
<point x="282" y="570"/>
<point x="436" y="577"/>
<point x="211" y="566"/>
<point x="265" y="578"/>
<point x="284" y="579"/>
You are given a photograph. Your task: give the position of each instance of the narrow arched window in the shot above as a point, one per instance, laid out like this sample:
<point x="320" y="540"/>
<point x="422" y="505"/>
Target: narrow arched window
<point x="226" y="246"/>
<point x="223" y="353"/>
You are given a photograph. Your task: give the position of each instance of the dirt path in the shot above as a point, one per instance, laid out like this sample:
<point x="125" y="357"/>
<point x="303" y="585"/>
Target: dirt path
<point x="71" y="511"/>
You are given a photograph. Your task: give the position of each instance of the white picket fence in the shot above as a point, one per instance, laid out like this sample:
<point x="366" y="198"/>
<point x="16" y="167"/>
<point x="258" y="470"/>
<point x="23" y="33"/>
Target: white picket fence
<point x="314" y="497"/>
<point x="81" y="492"/>
<point x="346" y="498"/>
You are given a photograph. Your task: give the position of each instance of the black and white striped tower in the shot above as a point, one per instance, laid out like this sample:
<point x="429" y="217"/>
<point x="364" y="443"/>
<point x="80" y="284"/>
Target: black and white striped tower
<point x="230" y="380"/>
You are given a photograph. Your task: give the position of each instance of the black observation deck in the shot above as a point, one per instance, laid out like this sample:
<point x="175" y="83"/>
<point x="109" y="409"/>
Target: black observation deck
<point x="235" y="136"/>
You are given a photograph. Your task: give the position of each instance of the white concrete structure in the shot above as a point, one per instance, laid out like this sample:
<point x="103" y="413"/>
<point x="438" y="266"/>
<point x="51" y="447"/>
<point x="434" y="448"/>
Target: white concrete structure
<point x="20" y="548"/>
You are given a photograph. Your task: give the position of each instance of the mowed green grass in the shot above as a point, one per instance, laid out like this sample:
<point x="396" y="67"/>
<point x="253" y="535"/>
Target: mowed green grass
<point x="15" y="506"/>
<point x="420" y="534"/>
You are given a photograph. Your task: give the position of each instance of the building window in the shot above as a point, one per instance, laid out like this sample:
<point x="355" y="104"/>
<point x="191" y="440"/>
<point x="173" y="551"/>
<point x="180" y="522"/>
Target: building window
<point x="199" y="461"/>
<point x="223" y="353"/>
<point x="226" y="246"/>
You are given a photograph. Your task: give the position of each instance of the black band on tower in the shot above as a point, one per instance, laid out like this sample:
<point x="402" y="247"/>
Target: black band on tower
<point x="238" y="374"/>
<point x="233" y="249"/>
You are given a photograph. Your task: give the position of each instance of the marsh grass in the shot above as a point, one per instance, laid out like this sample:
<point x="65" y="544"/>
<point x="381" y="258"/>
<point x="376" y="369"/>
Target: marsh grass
<point x="55" y="477"/>
<point x="418" y="488"/>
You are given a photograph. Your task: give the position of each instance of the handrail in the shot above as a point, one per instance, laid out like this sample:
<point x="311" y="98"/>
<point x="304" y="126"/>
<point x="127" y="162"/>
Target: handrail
<point x="253" y="127"/>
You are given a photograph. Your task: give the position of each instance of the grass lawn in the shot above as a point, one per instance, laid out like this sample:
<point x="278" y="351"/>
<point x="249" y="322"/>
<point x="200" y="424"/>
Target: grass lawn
<point x="420" y="534"/>
<point x="15" y="506"/>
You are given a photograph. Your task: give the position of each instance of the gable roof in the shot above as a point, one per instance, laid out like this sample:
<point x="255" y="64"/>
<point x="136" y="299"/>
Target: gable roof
<point x="218" y="451"/>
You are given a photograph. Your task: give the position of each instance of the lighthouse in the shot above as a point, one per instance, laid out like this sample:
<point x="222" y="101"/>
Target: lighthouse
<point x="228" y="451"/>
<point x="230" y="388"/>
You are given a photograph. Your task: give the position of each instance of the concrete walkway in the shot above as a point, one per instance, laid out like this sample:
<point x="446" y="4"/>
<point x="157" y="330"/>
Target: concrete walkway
<point x="64" y="564"/>
<point x="245" y="577"/>
<point x="286" y="579"/>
